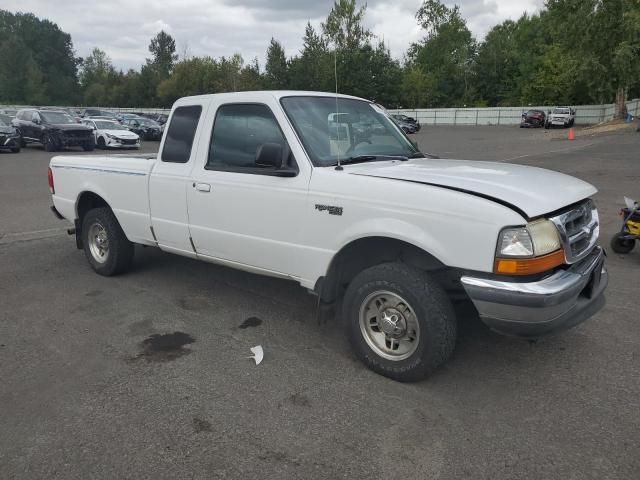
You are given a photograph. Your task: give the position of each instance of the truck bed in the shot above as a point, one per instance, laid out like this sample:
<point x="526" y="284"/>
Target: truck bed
<point x="121" y="180"/>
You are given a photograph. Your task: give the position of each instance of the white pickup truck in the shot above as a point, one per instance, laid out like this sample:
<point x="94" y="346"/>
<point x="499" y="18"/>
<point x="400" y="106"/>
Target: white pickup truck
<point x="327" y="191"/>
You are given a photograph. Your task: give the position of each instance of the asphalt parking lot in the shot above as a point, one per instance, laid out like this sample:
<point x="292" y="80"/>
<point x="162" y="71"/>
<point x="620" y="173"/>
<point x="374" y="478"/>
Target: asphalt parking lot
<point x="86" y="391"/>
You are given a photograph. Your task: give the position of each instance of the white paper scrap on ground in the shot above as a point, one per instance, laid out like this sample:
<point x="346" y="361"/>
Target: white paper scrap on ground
<point x="258" y="354"/>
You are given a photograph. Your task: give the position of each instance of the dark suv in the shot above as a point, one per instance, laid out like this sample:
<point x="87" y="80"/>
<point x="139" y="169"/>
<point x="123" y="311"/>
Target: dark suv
<point x="54" y="129"/>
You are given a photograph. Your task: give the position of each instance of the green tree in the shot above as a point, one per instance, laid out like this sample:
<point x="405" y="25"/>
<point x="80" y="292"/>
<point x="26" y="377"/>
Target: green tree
<point x="343" y="27"/>
<point x="276" y="69"/>
<point x="447" y="53"/>
<point x="45" y="44"/>
<point x="313" y="68"/>
<point x="163" y="51"/>
<point x="34" y="86"/>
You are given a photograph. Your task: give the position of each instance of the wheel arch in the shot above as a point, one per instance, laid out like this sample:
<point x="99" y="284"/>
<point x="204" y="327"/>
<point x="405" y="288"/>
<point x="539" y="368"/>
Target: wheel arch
<point x="87" y="200"/>
<point x="366" y="252"/>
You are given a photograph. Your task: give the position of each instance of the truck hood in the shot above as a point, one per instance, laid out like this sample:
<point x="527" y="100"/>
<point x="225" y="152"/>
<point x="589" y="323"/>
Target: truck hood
<point x="531" y="191"/>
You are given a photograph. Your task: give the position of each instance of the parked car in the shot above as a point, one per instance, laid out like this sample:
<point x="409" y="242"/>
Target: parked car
<point x="126" y="116"/>
<point x="111" y="134"/>
<point x="10" y="112"/>
<point x="533" y="118"/>
<point x="255" y="181"/>
<point x="407" y="127"/>
<point x="407" y="119"/>
<point x="54" y="129"/>
<point x="95" y="112"/>
<point x="6" y="118"/>
<point x="561" y="117"/>
<point x="71" y="112"/>
<point x="145" y="128"/>
<point x="9" y="136"/>
<point x="160" y="118"/>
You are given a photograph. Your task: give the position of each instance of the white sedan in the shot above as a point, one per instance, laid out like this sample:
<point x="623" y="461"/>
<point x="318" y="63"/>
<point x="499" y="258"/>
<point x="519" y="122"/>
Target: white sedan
<point x="110" y="134"/>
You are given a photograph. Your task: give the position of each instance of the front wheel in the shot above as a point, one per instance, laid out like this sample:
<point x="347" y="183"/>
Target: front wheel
<point x="15" y="150"/>
<point x="401" y="323"/>
<point x="49" y="143"/>
<point x="106" y="247"/>
<point x="89" y="147"/>
<point x="622" y="245"/>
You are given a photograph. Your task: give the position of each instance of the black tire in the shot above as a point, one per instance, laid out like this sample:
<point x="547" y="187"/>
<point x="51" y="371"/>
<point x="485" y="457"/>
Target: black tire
<point x="49" y="143"/>
<point x="621" y="245"/>
<point x="22" y="142"/>
<point x="89" y="147"/>
<point x="433" y="311"/>
<point x="119" y="256"/>
<point x="547" y="126"/>
<point x="15" y="150"/>
<point x="101" y="143"/>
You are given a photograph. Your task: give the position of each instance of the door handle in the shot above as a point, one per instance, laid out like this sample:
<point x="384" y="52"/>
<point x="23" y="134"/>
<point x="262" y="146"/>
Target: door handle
<point x="202" y="187"/>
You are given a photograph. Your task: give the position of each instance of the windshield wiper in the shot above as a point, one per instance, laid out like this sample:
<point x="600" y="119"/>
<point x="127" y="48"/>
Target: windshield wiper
<point x="369" y="158"/>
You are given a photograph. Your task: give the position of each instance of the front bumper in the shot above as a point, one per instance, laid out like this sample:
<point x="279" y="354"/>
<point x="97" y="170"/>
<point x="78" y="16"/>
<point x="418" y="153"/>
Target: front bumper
<point x="558" y="302"/>
<point x="122" y="143"/>
<point x="9" y="141"/>
<point x="75" y="141"/>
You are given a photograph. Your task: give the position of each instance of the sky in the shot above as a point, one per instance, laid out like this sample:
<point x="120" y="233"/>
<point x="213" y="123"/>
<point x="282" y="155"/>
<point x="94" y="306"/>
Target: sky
<point x="123" y="28"/>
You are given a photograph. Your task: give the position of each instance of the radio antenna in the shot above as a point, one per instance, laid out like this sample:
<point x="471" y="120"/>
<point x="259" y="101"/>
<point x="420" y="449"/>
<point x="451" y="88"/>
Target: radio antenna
<point x="335" y="74"/>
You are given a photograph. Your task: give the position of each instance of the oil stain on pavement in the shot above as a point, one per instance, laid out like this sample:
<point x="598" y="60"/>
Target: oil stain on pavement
<point x="164" y="348"/>
<point x="250" y="322"/>
<point x="200" y="425"/>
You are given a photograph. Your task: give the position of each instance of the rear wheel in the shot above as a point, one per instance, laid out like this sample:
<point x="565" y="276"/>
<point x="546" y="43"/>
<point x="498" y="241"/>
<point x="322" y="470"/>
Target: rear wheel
<point x="622" y="245"/>
<point x="106" y="247"/>
<point x="401" y="323"/>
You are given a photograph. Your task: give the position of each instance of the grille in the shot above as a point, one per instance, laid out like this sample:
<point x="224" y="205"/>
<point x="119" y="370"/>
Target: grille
<point x="579" y="229"/>
<point x="127" y="141"/>
<point x="77" y="133"/>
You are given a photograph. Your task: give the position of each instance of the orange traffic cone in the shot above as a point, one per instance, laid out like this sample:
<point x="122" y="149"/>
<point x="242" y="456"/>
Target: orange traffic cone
<point x="571" y="134"/>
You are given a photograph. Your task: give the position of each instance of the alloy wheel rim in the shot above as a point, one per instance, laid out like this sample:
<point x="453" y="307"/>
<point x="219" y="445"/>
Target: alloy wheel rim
<point x="389" y="325"/>
<point x="98" y="242"/>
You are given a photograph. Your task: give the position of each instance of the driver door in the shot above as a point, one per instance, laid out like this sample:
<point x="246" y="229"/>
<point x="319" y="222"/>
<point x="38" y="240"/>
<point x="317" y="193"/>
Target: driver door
<point x="241" y="213"/>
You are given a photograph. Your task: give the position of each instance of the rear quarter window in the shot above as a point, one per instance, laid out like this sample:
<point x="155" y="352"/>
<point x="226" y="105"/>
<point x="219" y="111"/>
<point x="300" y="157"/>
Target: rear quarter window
<point x="180" y="134"/>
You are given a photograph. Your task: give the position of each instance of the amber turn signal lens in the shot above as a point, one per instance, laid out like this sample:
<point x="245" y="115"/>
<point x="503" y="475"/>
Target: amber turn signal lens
<point x="528" y="266"/>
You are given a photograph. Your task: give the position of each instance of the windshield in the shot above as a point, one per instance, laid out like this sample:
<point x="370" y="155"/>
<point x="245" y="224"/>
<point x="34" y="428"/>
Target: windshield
<point x="109" y="126"/>
<point x="3" y="124"/>
<point x="355" y="128"/>
<point x="561" y="111"/>
<point x="57" y="117"/>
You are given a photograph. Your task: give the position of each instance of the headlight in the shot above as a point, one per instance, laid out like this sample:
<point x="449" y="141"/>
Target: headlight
<point x="545" y="237"/>
<point x="515" y="242"/>
<point x="112" y="137"/>
<point x="534" y="248"/>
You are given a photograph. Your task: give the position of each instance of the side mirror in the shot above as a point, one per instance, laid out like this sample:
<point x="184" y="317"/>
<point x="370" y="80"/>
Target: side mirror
<point x="274" y="156"/>
<point x="269" y="155"/>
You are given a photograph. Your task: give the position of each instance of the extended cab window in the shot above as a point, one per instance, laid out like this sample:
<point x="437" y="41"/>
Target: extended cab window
<point x="238" y="131"/>
<point x="182" y="130"/>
